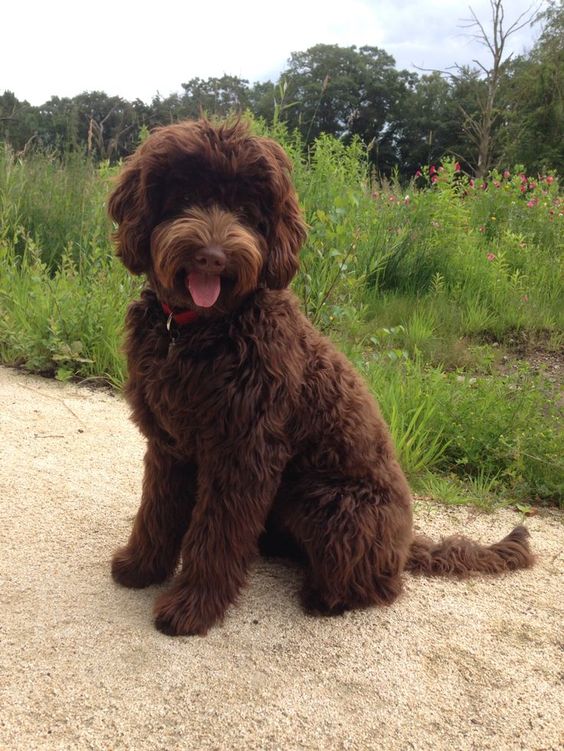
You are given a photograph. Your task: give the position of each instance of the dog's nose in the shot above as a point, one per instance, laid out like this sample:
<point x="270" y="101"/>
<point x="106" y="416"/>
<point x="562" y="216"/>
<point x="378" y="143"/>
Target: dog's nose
<point x="210" y="260"/>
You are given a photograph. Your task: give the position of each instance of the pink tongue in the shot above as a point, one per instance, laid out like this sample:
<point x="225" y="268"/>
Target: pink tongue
<point x="204" y="288"/>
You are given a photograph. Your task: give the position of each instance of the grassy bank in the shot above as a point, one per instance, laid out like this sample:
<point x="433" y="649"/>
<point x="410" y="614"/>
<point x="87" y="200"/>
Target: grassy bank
<point x="439" y="291"/>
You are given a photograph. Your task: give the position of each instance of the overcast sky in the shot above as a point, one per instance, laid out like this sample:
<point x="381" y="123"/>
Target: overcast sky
<point x="136" y="49"/>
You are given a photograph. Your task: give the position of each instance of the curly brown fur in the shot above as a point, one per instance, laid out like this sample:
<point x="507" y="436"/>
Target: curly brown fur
<point x="461" y="557"/>
<point x="259" y="433"/>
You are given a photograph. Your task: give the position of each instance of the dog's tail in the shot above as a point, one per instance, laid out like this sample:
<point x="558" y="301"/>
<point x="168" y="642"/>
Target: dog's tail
<point x="459" y="556"/>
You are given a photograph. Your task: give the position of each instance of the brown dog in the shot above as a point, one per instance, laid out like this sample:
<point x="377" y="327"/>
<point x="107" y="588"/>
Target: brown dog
<point x="258" y="430"/>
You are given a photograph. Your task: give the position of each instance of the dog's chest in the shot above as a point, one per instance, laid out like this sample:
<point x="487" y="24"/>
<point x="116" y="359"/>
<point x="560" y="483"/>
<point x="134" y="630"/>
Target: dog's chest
<point x="187" y="391"/>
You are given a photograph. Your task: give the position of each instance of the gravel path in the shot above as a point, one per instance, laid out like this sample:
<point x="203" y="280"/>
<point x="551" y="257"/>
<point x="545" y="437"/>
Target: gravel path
<point x="452" y="665"/>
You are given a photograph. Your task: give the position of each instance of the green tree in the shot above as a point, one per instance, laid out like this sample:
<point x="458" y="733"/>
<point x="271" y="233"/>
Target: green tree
<point x="106" y="127"/>
<point x="535" y="100"/>
<point x="215" y="96"/>
<point x="347" y="91"/>
<point x="58" y="125"/>
<point x="165" y="110"/>
<point x="18" y="121"/>
<point x="427" y="129"/>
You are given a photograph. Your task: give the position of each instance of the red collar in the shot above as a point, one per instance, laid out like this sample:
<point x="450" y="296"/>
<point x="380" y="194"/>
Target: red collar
<point x="182" y="318"/>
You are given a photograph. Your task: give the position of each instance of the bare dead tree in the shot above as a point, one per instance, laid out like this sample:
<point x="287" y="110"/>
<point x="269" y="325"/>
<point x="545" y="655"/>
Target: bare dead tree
<point x="480" y="127"/>
<point x="96" y="135"/>
<point x="27" y="146"/>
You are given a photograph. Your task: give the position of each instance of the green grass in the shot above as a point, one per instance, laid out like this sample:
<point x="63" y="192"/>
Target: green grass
<point x="498" y="434"/>
<point x="67" y="323"/>
<point x="431" y="289"/>
<point x="60" y="205"/>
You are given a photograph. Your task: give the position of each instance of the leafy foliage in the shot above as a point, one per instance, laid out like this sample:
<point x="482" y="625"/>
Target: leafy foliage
<point x="432" y="289"/>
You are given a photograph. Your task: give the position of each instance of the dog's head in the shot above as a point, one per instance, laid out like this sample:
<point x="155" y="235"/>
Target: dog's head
<point x="209" y="213"/>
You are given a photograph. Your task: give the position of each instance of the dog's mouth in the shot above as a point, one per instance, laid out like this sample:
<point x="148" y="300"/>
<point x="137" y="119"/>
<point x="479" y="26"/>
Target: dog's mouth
<point x="197" y="290"/>
<point x="205" y="259"/>
<point x="204" y="288"/>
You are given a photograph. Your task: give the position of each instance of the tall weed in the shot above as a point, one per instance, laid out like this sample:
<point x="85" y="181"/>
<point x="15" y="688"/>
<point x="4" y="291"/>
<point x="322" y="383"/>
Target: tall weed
<point x="60" y="205"/>
<point x="67" y="323"/>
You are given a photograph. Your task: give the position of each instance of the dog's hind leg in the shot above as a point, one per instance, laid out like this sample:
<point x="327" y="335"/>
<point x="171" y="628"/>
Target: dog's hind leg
<point x="153" y="549"/>
<point x="277" y="542"/>
<point x="357" y="541"/>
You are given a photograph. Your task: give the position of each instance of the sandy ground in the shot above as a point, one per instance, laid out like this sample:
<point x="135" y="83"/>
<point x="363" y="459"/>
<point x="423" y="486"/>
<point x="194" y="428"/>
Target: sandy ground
<point x="451" y="665"/>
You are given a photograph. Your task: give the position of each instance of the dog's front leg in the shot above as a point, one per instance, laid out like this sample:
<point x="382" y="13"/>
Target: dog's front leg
<point x="235" y="493"/>
<point x="153" y="549"/>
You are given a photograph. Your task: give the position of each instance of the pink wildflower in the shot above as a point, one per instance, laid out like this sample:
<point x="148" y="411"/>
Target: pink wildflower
<point x="471" y="182"/>
<point x="432" y="170"/>
<point x="435" y="179"/>
<point x="532" y="186"/>
<point x="497" y="184"/>
<point x="418" y="173"/>
<point x="531" y="203"/>
<point x="550" y="180"/>
<point x="523" y="177"/>
<point x="457" y="167"/>
<point x="441" y="169"/>
<point x="506" y="174"/>
<point x="491" y="256"/>
<point x="523" y="188"/>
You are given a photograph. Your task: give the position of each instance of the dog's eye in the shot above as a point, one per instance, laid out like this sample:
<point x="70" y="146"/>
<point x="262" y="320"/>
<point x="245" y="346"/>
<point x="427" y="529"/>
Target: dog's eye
<point x="253" y="218"/>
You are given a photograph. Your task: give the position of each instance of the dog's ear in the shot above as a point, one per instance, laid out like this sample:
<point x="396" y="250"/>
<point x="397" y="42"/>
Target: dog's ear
<point x="126" y="207"/>
<point x="287" y="227"/>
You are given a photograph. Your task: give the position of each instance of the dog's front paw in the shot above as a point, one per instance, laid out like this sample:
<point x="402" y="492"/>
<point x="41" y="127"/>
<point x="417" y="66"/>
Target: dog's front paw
<point x="130" y="570"/>
<point x="183" y="613"/>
